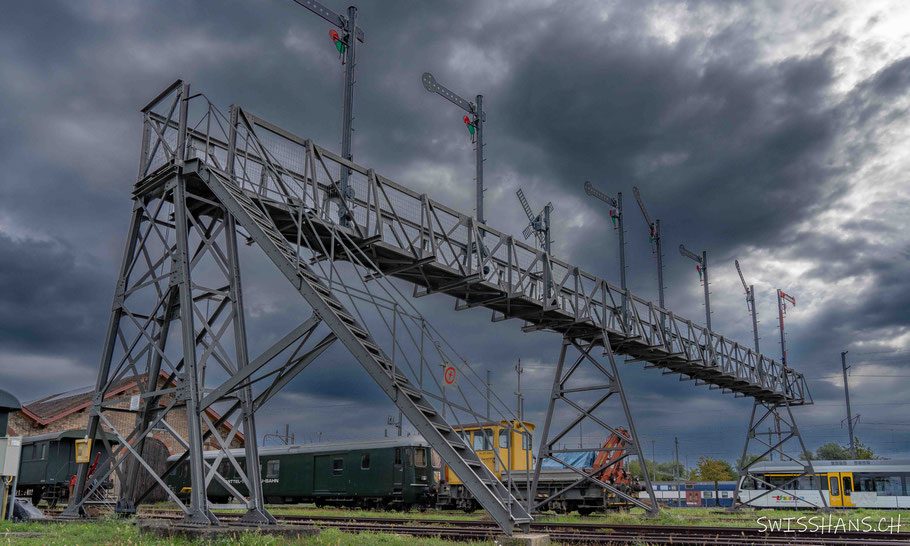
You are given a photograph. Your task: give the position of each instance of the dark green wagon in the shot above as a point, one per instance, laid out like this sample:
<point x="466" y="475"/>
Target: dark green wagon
<point x="393" y="473"/>
<point x="48" y="463"/>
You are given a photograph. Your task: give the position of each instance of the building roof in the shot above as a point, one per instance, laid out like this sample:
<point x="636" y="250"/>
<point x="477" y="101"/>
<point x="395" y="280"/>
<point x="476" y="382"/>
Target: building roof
<point x="8" y="402"/>
<point x="75" y="434"/>
<point x="57" y="406"/>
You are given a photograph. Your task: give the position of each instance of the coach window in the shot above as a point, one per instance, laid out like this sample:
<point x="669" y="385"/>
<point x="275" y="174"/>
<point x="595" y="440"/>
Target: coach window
<point x="478" y="441"/>
<point x="835" y="488"/>
<point x="397" y="455"/>
<point x="848" y="485"/>
<point x="43" y="450"/>
<point x="420" y="457"/>
<point x="271" y="468"/>
<point x="337" y="467"/>
<point x="504" y="437"/>
<point x="28" y="452"/>
<point x="365" y="461"/>
<point x="525" y="440"/>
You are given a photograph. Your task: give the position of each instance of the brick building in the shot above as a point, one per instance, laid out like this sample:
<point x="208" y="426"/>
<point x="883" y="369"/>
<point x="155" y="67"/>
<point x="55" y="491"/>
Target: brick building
<point x="69" y="410"/>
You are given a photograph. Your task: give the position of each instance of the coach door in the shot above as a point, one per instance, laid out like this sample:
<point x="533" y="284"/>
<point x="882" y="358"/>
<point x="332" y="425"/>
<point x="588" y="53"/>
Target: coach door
<point x="398" y="468"/>
<point x="693" y="498"/>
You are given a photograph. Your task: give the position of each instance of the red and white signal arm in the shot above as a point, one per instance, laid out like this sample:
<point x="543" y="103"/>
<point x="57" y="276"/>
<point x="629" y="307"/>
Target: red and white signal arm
<point x="449" y="376"/>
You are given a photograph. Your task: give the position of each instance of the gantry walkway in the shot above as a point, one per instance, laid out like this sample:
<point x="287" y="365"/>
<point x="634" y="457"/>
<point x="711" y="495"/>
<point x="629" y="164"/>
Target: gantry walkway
<point x="410" y="236"/>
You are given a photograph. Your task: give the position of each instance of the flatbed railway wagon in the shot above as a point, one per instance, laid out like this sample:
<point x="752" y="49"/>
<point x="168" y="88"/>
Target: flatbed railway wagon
<point x="512" y="441"/>
<point x="844" y="484"/>
<point x="394" y="473"/>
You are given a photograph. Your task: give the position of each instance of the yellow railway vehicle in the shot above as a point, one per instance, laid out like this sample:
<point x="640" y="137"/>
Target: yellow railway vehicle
<point x="505" y="447"/>
<point x="501" y="445"/>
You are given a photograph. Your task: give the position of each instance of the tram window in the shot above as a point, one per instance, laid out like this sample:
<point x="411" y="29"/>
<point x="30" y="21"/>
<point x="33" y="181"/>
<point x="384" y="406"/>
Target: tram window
<point x="28" y="452"/>
<point x="835" y="488"/>
<point x="272" y="467"/>
<point x="365" y="461"/>
<point x="42" y="450"/>
<point x="488" y="438"/>
<point x="409" y="454"/>
<point x="525" y="441"/>
<point x="337" y="466"/>
<point x="478" y="441"/>
<point x="848" y="485"/>
<point x="420" y="457"/>
<point x="397" y="455"/>
<point x="882" y="484"/>
<point x="504" y="438"/>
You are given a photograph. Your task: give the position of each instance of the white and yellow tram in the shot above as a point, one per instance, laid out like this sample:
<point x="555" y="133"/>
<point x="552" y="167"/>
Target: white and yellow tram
<point x="845" y="484"/>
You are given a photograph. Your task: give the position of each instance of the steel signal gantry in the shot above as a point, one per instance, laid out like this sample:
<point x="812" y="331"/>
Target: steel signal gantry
<point x="347" y="46"/>
<point x="475" y="109"/>
<point x="617" y="221"/>
<point x="654" y="233"/>
<point x="782" y="299"/>
<point x="702" y="267"/>
<point x="750" y="303"/>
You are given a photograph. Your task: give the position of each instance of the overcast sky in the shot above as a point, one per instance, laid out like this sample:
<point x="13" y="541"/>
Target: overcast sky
<point x="772" y="132"/>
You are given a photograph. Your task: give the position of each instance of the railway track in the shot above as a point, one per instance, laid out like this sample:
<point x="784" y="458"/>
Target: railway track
<point x="573" y="533"/>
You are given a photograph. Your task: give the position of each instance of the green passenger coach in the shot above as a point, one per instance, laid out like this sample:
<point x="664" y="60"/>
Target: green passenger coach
<point x="395" y="473"/>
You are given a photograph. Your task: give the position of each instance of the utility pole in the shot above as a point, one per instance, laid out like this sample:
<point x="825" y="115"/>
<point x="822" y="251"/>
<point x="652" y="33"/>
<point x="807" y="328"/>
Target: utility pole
<point x="654" y="235"/>
<point x="475" y="127"/>
<point x="676" y="468"/>
<point x="843" y="360"/>
<point x="346" y="44"/>
<point x="616" y="216"/>
<point x="750" y="304"/>
<point x="397" y="424"/>
<point x="488" y="395"/>
<point x="653" y="462"/>
<point x="519" y="400"/>
<point x="702" y="268"/>
<point x="782" y="299"/>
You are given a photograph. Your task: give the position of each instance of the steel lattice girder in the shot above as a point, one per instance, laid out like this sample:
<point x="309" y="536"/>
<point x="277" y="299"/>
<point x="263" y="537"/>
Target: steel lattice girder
<point x="412" y="237"/>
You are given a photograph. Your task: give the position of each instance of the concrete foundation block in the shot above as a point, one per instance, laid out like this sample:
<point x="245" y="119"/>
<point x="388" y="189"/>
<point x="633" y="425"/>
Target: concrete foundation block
<point x="524" y="539"/>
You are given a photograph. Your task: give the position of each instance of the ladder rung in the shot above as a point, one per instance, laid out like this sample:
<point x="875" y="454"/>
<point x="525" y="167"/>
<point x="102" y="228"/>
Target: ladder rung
<point x="426" y="410"/>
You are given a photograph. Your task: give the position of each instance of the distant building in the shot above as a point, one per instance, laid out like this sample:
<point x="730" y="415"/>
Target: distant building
<point x="69" y="410"/>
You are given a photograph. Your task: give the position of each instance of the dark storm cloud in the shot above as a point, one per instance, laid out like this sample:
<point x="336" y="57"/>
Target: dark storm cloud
<point x="51" y="304"/>
<point x="734" y="152"/>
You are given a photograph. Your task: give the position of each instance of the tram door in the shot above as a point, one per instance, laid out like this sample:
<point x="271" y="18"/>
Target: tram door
<point x="840" y="488"/>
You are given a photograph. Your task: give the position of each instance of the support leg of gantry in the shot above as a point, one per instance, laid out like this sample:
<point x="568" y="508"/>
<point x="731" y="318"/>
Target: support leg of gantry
<point x="782" y="412"/>
<point x="585" y="384"/>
